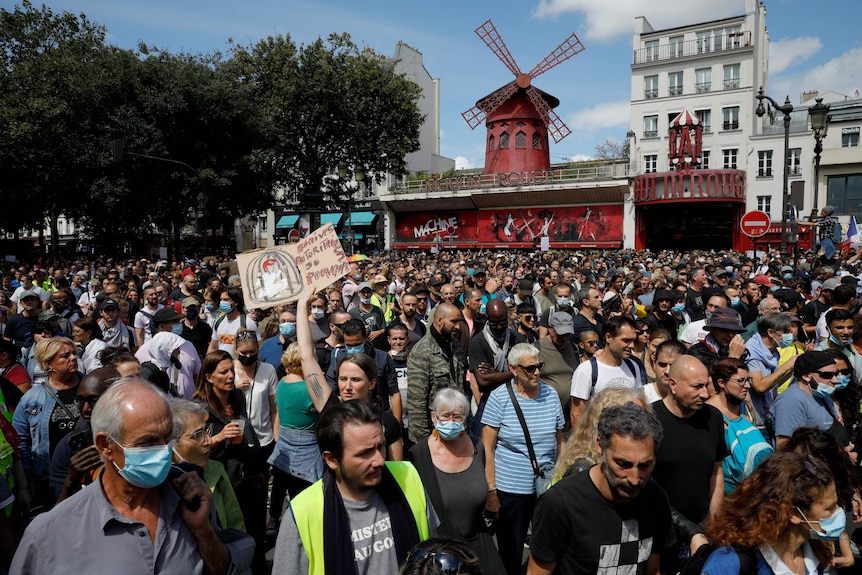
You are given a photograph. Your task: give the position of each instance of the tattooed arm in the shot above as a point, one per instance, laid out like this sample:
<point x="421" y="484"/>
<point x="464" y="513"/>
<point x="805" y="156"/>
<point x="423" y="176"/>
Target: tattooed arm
<point x="315" y="382"/>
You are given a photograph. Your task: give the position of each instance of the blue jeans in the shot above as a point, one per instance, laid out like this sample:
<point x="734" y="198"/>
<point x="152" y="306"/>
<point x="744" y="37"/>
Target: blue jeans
<point x="828" y="248"/>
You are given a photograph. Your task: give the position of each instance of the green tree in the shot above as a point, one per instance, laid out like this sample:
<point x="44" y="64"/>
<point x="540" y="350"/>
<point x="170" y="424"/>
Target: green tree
<point x="330" y="104"/>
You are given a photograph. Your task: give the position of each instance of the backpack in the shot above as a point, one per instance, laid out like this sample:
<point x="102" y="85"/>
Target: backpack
<point x="152" y="325"/>
<point x="634" y="364"/>
<point x="746" y="445"/>
<point x="694" y="564"/>
<point x="158" y="377"/>
<point x="837" y="235"/>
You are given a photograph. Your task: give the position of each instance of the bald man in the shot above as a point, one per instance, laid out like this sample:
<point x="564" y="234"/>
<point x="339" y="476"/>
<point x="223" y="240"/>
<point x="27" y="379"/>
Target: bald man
<point x="436" y="361"/>
<point x="688" y="461"/>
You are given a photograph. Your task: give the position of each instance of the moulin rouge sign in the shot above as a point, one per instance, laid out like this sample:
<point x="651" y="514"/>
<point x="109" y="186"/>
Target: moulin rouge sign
<point x="473" y="182"/>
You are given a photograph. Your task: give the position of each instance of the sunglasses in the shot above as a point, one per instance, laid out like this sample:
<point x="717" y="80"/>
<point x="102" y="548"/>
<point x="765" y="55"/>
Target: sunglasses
<point x="643" y="331"/>
<point x="529" y="318"/>
<point x="592" y="343"/>
<point x="91" y="401"/>
<point x="826" y="374"/>
<point x="533" y="368"/>
<point x="446" y="563"/>
<point x="743" y="380"/>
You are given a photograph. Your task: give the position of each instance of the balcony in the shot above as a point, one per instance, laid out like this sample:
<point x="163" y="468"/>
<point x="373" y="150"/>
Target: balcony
<point x="703" y="87"/>
<point x="650" y="94"/>
<point x="650" y="135"/>
<point x="707" y="129"/>
<point x="722" y="43"/>
<point x="730" y="125"/>
<point x="675" y="91"/>
<point x="731" y="84"/>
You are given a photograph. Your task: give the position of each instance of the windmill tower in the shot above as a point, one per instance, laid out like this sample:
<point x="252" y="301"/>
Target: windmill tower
<point x="519" y="116"/>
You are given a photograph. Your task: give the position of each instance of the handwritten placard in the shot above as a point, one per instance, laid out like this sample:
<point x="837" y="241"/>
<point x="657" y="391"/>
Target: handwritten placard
<point x="282" y="274"/>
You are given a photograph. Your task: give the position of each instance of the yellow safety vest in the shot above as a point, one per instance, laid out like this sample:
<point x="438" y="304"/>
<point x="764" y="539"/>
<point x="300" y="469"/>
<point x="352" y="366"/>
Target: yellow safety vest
<point x="307" y="508"/>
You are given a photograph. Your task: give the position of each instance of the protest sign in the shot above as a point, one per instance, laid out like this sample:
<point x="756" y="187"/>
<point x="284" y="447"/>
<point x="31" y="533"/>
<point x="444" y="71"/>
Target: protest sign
<point x="282" y="274"/>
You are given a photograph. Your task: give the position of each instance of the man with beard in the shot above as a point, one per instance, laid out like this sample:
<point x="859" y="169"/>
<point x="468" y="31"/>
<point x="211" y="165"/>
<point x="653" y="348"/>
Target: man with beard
<point x="559" y="357"/>
<point x="660" y="316"/>
<point x="564" y="304"/>
<point x="399" y="351"/>
<point x="688" y="462"/>
<point x="487" y="354"/>
<point x="415" y="328"/>
<point x="611" y="518"/>
<point x="437" y="361"/>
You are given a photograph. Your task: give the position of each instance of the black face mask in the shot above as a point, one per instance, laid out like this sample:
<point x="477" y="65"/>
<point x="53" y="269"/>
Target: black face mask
<point x="247" y="359"/>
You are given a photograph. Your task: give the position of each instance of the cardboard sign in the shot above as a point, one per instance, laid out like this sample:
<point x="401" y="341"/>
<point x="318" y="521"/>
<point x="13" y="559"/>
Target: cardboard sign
<point x="282" y="274"/>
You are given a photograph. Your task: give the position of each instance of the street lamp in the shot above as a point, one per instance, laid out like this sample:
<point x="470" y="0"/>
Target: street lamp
<point x="819" y="116"/>
<point x="347" y="196"/>
<point x="786" y="109"/>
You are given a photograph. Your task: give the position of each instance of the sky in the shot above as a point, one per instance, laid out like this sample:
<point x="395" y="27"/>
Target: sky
<point x="813" y="47"/>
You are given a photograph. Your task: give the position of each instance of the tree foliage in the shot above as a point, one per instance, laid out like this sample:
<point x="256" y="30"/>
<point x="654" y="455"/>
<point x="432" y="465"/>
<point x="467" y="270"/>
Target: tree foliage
<point x="612" y="149"/>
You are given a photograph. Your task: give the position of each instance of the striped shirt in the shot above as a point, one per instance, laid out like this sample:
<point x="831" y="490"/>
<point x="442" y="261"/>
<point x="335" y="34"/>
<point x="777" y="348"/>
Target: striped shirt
<point x="544" y="416"/>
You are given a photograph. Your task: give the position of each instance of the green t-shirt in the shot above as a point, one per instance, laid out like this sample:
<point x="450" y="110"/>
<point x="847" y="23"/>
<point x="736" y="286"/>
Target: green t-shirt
<point x="295" y="409"/>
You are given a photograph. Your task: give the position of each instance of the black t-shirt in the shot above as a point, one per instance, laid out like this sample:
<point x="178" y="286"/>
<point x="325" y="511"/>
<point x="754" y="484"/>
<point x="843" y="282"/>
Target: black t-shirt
<point x="391" y="427"/>
<point x="61" y="423"/>
<point x="19" y="329"/>
<point x="479" y="351"/>
<point x="669" y="323"/>
<point x="694" y="302"/>
<point x="546" y="315"/>
<point x="809" y="313"/>
<point x="583" y="324"/>
<point x="199" y="336"/>
<point x="686" y="458"/>
<point x="584" y="533"/>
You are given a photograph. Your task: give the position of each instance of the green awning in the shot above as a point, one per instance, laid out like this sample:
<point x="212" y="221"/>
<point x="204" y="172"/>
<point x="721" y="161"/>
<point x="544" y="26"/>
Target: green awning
<point x="329" y="219"/>
<point x="361" y="219"/>
<point x="356" y="236"/>
<point x="286" y="222"/>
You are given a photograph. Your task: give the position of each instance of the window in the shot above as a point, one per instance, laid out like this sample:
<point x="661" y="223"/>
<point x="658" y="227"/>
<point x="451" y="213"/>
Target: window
<point x="650" y="163"/>
<point x="845" y="193"/>
<point x="650" y="127"/>
<point x="731" y="76"/>
<point x="703" y="80"/>
<point x="263" y="224"/>
<point x="491" y="143"/>
<point x="651" y="50"/>
<point x="676" y="46"/>
<point x="764" y="203"/>
<point x="674" y="80"/>
<point x="794" y="165"/>
<point x="764" y="163"/>
<point x="537" y="141"/>
<point x="504" y="141"/>
<point x="521" y="140"/>
<point x="732" y="37"/>
<point x="849" y="137"/>
<point x="650" y="87"/>
<point x="704" y="42"/>
<point x="730" y="158"/>
<point x="705" y="117"/>
<point x="730" y="118"/>
<point x="704" y="160"/>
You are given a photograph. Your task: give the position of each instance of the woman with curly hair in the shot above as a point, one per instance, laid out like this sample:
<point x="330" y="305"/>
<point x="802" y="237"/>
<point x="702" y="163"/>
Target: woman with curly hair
<point x="779" y="519"/>
<point x="579" y="453"/>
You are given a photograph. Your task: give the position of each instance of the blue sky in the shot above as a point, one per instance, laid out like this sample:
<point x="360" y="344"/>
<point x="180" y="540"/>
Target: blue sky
<point x="813" y="46"/>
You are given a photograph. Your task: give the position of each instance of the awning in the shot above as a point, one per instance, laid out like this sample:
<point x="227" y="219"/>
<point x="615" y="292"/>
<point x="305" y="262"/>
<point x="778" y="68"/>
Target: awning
<point x="286" y="222"/>
<point x="360" y="219"/>
<point x="329" y="219"/>
<point x="356" y="236"/>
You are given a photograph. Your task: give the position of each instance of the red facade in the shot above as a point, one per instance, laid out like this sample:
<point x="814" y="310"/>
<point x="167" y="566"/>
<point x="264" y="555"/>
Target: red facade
<point x="517" y="137"/>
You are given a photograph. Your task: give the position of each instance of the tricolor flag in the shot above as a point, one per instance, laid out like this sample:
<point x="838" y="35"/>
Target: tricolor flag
<point x="852" y="239"/>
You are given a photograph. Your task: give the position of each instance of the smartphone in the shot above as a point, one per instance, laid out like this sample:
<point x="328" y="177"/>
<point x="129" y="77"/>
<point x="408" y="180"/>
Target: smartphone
<point x="80" y="440"/>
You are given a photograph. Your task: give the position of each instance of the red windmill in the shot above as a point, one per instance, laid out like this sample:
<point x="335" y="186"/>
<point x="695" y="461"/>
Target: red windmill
<point x="518" y="115"/>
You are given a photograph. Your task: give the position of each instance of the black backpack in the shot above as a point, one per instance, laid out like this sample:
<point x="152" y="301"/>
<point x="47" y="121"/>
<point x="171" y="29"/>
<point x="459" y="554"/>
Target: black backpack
<point x="158" y="377"/>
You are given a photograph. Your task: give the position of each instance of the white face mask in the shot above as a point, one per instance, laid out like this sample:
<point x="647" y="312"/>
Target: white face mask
<point x="317" y="313"/>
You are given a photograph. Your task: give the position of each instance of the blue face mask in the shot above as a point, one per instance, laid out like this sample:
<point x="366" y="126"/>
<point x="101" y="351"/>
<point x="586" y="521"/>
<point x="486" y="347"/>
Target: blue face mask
<point x="176" y="328"/>
<point x="774" y="288"/>
<point x="823" y="390"/>
<point x="679" y="308"/>
<point x="357" y="349"/>
<point x="832" y="527"/>
<point x="145" y="467"/>
<point x="225" y="307"/>
<point x="837" y="341"/>
<point x="843" y="381"/>
<point x="787" y="276"/>
<point x="601" y="286"/>
<point x="563" y="302"/>
<point x="470" y="271"/>
<point x="785" y="341"/>
<point x="209" y="307"/>
<point x="449" y="429"/>
<point x="287" y="329"/>
<point x="734" y="301"/>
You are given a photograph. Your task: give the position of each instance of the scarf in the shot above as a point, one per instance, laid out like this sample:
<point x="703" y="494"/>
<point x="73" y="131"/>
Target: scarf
<point x="500" y="353"/>
<point x="337" y="544"/>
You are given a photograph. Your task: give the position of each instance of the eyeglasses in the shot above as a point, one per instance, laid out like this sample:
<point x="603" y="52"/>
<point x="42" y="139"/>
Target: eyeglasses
<point x="826" y="374"/>
<point x="532" y="368"/>
<point x="497" y="323"/>
<point x="743" y="380"/>
<point x="447" y="563"/>
<point x="644" y="331"/>
<point x="456" y="417"/>
<point x="91" y="401"/>
<point x="529" y="318"/>
<point x="199" y="435"/>
<point x="594" y="343"/>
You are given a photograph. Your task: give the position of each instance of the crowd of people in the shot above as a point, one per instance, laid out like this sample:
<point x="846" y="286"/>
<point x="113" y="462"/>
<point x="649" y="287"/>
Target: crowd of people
<point x="454" y="412"/>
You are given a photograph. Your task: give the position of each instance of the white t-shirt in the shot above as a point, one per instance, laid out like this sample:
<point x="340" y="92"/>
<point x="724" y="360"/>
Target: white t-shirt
<point x="608" y="376"/>
<point x="257" y="404"/>
<point x="225" y="333"/>
<point x="142" y="321"/>
<point x="16" y="295"/>
<point x="694" y="332"/>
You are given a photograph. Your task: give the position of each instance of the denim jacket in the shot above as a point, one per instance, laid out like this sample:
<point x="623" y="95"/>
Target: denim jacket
<point x="31" y="421"/>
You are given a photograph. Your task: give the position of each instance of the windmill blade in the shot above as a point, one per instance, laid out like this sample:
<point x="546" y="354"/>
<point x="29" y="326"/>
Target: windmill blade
<point x="560" y="54"/>
<point x="557" y="128"/>
<point x="476" y="115"/>
<point x="489" y="35"/>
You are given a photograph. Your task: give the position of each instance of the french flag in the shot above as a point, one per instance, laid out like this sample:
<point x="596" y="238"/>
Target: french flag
<point x="852" y="238"/>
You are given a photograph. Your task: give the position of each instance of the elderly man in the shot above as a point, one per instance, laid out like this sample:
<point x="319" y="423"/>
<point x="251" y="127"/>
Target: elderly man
<point x="130" y="520"/>
<point x="437" y="361"/>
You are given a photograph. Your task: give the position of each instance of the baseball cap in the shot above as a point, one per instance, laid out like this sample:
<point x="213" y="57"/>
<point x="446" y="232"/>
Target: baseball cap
<point x="364" y="285"/>
<point x="380" y="279"/>
<point x="191" y="301"/>
<point x="165" y="315"/>
<point x="812" y="361"/>
<point x="28" y="293"/>
<point x="108" y="302"/>
<point x="562" y="323"/>
<point x="831" y="284"/>
<point x="763" y="280"/>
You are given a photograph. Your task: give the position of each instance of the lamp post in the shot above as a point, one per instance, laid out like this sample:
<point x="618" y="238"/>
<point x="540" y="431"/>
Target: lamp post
<point x="347" y="196"/>
<point x="819" y="116"/>
<point x="786" y="109"/>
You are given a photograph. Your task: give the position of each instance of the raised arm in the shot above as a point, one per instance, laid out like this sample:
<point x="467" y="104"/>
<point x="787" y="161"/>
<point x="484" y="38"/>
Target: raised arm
<point x="315" y="381"/>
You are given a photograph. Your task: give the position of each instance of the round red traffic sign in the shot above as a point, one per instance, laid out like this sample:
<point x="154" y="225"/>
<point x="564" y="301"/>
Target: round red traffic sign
<point x="293" y="236"/>
<point x="754" y="223"/>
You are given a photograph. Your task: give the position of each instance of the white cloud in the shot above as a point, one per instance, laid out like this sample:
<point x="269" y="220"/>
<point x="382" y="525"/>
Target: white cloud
<point x="465" y="163"/>
<point x="842" y="74"/>
<point x="610" y="19"/>
<point x="600" y="117"/>
<point x="789" y="52"/>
